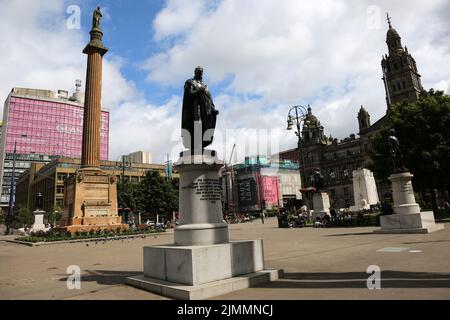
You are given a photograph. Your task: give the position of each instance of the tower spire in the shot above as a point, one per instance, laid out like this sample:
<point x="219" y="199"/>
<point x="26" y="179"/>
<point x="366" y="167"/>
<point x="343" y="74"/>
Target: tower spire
<point x="388" y="20"/>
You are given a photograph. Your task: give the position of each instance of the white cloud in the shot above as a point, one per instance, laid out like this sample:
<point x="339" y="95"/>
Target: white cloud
<point x="289" y="52"/>
<point x="269" y="54"/>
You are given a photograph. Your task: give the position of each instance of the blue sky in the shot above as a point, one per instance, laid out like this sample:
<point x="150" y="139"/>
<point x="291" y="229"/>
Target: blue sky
<point x="260" y="57"/>
<point x="129" y="33"/>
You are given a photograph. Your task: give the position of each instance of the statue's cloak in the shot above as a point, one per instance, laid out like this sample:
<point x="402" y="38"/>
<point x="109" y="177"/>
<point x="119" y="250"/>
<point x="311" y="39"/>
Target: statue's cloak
<point x="197" y="106"/>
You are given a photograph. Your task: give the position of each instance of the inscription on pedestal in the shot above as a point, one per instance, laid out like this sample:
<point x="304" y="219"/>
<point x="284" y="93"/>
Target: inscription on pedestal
<point x="96" y="211"/>
<point x="206" y="189"/>
<point x="96" y="179"/>
<point x="407" y="188"/>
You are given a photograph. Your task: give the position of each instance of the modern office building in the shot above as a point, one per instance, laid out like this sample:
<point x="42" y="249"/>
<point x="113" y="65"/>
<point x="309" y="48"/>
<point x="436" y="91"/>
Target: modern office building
<point x="259" y="183"/>
<point x="41" y="125"/>
<point x="139" y="157"/>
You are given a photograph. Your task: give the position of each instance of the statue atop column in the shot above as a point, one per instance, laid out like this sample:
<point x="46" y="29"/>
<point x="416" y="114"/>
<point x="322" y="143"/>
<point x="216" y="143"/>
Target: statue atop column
<point x="198" y="108"/>
<point x="96" y="17"/>
<point x="398" y="161"/>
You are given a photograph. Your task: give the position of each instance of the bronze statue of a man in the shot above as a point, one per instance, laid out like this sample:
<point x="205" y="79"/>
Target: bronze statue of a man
<point x="39" y="201"/>
<point x="318" y="180"/>
<point x="97" y="16"/>
<point x="198" y="109"/>
<point x="396" y="154"/>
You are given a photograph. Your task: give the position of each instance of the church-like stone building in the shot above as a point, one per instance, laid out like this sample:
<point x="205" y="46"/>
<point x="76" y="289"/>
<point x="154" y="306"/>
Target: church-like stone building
<point x="337" y="159"/>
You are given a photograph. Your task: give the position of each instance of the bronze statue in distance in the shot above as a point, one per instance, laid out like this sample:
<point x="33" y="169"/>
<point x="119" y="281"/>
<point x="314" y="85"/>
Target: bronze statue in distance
<point x="97" y="16"/>
<point x="398" y="161"/>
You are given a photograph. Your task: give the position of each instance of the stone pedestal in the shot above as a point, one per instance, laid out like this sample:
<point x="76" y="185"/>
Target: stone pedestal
<point x="364" y="190"/>
<point x="202" y="262"/>
<point x="91" y="202"/>
<point x="407" y="217"/>
<point x="38" y="221"/>
<point x="321" y="203"/>
<point x="200" y="209"/>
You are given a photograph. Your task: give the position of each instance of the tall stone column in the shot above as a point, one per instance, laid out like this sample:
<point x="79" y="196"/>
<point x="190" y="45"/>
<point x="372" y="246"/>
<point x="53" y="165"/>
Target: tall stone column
<point x="90" y="196"/>
<point x="92" y="105"/>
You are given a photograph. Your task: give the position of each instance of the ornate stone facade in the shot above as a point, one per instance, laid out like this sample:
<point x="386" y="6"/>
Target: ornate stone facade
<point x="337" y="159"/>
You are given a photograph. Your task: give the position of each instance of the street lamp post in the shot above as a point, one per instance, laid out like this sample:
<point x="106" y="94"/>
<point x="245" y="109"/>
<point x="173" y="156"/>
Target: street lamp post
<point x="11" y="193"/>
<point x="11" y="190"/>
<point x="122" y="189"/>
<point x="297" y="115"/>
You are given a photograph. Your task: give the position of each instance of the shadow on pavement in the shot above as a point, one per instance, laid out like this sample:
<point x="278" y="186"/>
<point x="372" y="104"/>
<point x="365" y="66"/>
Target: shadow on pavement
<point x="106" y="277"/>
<point x="352" y="234"/>
<point x="345" y="280"/>
<point x="433" y="241"/>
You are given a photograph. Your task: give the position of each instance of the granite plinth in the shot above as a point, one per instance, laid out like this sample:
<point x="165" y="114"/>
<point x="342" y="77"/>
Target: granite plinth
<point x="201" y="219"/>
<point x="200" y="272"/>
<point x="38" y="221"/>
<point x="203" y="291"/>
<point x="321" y="202"/>
<point x="422" y="222"/>
<point x="407" y="217"/>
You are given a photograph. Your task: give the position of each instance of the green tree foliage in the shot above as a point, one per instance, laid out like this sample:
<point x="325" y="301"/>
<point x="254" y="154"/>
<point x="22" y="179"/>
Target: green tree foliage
<point x="423" y="129"/>
<point x="54" y="215"/>
<point x="25" y="217"/>
<point x="128" y="195"/>
<point x="153" y="195"/>
<point x="156" y="195"/>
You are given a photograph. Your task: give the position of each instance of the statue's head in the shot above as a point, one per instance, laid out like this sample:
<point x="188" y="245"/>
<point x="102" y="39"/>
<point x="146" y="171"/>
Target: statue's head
<point x="98" y="8"/>
<point x="392" y="132"/>
<point x="198" y="72"/>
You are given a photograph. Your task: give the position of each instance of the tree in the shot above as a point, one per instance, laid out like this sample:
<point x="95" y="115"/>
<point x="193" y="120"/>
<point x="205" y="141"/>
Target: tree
<point x="54" y="215"/>
<point x="156" y="195"/>
<point x="127" y="195"/>
<point x="423" y="129"/>
<point x="25" y="217"/>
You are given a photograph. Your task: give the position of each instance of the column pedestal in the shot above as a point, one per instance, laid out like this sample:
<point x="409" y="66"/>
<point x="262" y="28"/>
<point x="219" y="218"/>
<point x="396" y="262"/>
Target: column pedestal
<point x="202" y="262"/>
<point x="407" y="217"/>
<point x="91" y="202"/>
<point x="321" y="203"/>
<point x="38" y="221"/>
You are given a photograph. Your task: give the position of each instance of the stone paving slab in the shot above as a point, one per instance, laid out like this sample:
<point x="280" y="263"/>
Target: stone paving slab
<point x="322" y="263"/>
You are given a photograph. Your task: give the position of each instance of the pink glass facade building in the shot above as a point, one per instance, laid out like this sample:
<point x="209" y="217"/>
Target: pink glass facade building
<point x="42" y="125"/>
<point x="49" y="128"/>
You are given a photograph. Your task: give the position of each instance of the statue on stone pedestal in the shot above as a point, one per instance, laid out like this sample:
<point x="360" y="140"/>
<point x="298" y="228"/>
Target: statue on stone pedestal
<point x="197" y="106"/>
<point x="396" y="154"/>
<point x="97" y="16"/>
<point x="39" y="201"/>
<point x="318" y="180"/>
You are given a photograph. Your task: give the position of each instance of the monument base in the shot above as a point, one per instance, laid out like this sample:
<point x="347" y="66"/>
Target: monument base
<point x="422" y="222"/>
<point x="38" y="222"/>
<point x="203" y="291"/>
<point x="407" y="217"/>
<point x="200" y="272"/>
<point x="91" y="202"/>
<point x="321" y="203"/>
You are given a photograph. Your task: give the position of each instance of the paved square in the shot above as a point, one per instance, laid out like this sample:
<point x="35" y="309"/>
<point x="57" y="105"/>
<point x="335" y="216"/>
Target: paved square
<point x="318" y="263"/>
